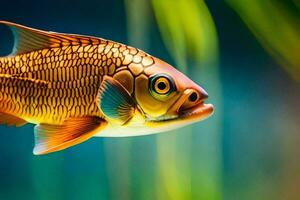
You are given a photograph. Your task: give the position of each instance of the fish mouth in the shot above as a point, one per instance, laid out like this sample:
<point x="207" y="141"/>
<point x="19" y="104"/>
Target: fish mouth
<point x="178" y="112"/>
<point x="198" y="112"/>
<point x="183" y="117"/>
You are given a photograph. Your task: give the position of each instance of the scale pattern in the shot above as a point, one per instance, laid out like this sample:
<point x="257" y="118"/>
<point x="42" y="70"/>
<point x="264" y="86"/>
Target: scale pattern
<point x="50" y="85"/>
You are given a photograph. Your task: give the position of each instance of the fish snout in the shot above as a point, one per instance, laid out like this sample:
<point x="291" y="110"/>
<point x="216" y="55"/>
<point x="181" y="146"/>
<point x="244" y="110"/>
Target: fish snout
<point x="192" y="98"/>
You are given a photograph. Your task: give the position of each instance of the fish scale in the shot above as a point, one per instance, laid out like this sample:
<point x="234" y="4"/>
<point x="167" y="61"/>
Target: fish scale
<point x="73" y="73"/>
<point x="74" y="87"/>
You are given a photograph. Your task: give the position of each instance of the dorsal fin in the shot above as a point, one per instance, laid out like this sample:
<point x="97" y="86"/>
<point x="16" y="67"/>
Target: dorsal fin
<point x="28" y="39"/>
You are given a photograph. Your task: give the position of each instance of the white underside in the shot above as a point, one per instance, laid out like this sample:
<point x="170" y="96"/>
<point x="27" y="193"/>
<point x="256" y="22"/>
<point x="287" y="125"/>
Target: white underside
<point x="137" y="126"/>
<point x="135" y="129"/>
<point x="113" y="130"/>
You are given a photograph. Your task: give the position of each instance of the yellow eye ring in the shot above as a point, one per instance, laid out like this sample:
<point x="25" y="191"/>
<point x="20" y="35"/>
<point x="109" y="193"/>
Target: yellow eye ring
<point x="161" y="84"/>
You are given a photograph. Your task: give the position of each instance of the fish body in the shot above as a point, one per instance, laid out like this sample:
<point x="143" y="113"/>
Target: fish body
<point x="75" y="87"/>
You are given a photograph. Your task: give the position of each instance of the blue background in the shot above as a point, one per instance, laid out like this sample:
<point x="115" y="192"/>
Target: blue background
<point x="255" y="156"/>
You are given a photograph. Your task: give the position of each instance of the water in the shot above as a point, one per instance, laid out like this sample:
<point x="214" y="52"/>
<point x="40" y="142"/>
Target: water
<point x="254" y="155"/>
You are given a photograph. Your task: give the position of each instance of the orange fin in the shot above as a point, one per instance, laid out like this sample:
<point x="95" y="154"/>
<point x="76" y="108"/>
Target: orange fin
<point x="50" y="138"/>
<point x="28" y="39"/>
<point x="11" y="120"/>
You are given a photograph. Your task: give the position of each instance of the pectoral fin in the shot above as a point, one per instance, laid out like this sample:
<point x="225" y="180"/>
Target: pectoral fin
<point x="115" y="101"/>
<point x="50" y="138"/>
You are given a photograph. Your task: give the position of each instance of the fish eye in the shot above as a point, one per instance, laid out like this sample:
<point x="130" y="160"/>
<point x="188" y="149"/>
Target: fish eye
<point x="161" y="84"/>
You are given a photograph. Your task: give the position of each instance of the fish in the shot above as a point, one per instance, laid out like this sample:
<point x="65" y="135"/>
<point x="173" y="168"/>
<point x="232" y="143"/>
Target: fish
<point x="74" y="87"/>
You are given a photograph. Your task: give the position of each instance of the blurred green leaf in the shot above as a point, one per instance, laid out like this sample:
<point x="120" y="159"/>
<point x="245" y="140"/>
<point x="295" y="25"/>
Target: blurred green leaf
<point x="276" y="27"/>
<point x="189" y="33"/>
<point x="187" y="29"/>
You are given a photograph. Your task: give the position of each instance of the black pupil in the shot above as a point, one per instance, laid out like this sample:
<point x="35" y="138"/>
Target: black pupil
<point x="161" y="85"/>
<point x="193" y="97"/>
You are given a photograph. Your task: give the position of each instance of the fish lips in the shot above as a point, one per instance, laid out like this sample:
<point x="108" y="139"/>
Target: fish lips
<point x="197" y="112"/>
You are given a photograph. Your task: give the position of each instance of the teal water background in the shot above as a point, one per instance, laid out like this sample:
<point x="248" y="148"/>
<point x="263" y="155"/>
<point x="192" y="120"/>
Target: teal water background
<point x="254" y="155"/>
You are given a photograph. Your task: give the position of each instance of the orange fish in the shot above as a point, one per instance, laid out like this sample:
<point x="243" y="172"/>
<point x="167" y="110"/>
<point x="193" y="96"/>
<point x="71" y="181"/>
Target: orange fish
<point x="75" y="87"/>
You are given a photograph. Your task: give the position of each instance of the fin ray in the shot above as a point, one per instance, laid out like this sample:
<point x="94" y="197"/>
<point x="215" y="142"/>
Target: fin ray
<point x="115" y="101"/>
<point x="50" y="138"/>
<point x="29" y="39"/>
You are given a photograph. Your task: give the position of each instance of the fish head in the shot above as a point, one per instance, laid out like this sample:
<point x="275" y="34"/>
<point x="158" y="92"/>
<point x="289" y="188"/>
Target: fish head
<point x="156" y="99"/>
<point x="168" y="99"/>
